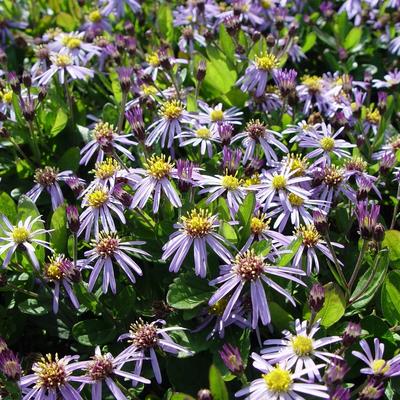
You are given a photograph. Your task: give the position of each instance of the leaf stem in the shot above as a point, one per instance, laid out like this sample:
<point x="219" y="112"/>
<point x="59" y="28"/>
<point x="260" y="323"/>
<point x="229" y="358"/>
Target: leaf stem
<point x="396" y="208"/>
<point x="358" y="266"/>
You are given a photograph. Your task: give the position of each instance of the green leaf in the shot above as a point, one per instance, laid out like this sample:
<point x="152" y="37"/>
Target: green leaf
<point x="93" y="332"/>
<point x="65" y="21"/>
<point x="390" y="296"/>
<point x="180" y="396"/>
<point x="187" y="292"/>
<point x="287" y="257"/>
<point x="165" y="22"/>
<point x="217" y="385"/>
<point x="110" y="114"/>
<point x="227" y="231"/>
<point x="392" y="242"/>
<point x="245" y="213"/>
<point x="70" y="159"/>
<point x="309" y="42"/>
<point x="353" y="38"/>
<point x="59" y="236"/>
<point x="59" y="123"/>
<point x="8" y="207"/>
<point x="226" y="43"/>
<point x="279" y="316"/>
<point x="32" y="307"/>
<point x="334" y="305"/>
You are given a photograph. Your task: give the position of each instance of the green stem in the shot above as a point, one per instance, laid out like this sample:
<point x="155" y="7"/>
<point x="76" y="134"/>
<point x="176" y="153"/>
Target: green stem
<point x="69" y="100"/>
<point x="35" y="146"/>
<point x="336" y="261"/>
<point x="20" y="151"/>
<point x="75" y="249"/>
<point x="120" y="161"/>
<point x="122" y="111"/>
<point x="358" y="266"/>
<point x="396" y="208"/>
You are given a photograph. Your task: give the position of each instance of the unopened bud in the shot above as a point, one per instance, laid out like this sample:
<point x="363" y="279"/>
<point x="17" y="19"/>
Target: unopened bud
<point x="379" y="233"/>
<point x="201" y="70"/>
<point x="204" y="394"/>
<point x="351" y="333"/>
<point x="73" y="219"/>
<point x="317" y="297"/>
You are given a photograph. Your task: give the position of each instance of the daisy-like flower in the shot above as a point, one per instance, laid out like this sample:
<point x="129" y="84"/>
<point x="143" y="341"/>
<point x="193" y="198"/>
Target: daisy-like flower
<point x="279" y="383"/>
<point x="173" y="114"/>
<point x="109" y="248"/>
<point x="300" y="350"/>
<point x="257" y="133"/>
<point x="48" y="179"/>
<point x="106" y="140"/>
<point x="188" y="39"/>
<point x="156" y="178"/>
<point x="145" y="338"/>
<point x="376" y="365"/>
<point x="372" y="120"/>
<point x="200" y="136"/>
<point x="311" y="241"/>
<point x="51" y="379"/>
<point x="311" y="92"/>
<point x="96" y="23"/>
<point x="118" y="7"/>
<point x="228" y="184"/>
<point x="197" y="229"/>
<point x="214" y="116"/>
<point x="302" y="129"/>
<point x="6" y="102"/>
<point x="280" y="183"/>
<point x="104" y="368"/>
<point x="62" y="272"/>
<point x="325" y="143"/>
<point x="392" y="78"/>
<point x="22" y="236"/>
<point x="258" y="73"/>
<point x="62" y="64"/>
<point x="99" y="203"/>
<point x="250" y="271"/>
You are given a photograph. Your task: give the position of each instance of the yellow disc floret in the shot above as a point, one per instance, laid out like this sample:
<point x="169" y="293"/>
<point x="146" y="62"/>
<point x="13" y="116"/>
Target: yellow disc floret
<point x="97" y="198"/>
<point x="302" y="345"/>
<point x="153" y="59"/>
<point x="158" y="166"/>
<point x="230" y="182"/>
<point x="171" y="109"/>
<point x="63" y="60"/>
<point x="295" y="200"/>
<point x="278" y="380"/>
<point x="327" y="143"/>
<point x="279" y="182"/>
<point x="53" y="271"/>
<point x="267" y="62"/>
<point x="313" y="83"/>
<point x="380" y="367"/>
<point x="198" y="223"/>
<point x="308" y="234"/>
<point x="216" y="115"/>
<point x="373" y="116"/>
<point x="203" y="133"/>
<point x="106" y="169"/>
<point x="95" y="16"/>
<point x="51" y="373"/>
<point x="20" y="234"/>
<point x="6" y="96"/>
<point x="259" y="224"/>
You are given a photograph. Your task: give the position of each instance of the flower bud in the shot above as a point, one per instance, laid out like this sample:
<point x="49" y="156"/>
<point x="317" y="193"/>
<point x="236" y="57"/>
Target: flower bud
<point x="271" y="40"/>
<point x="201" y="70"/>
<point x="73" y="219"/>
<point x="320" y="222"/>
<point x="232" y="359"/>
<point x="27" y="79"/>
<point x="335" y="372"/>
<point x="10" y="365"/>
<point x="379" y="233"/>
<point x="351" y="333"/>
<point x="204" y="394"/>
<point x="373" y="390"/>
<point x="317" y="297"/>
<point x="14" y="82"/>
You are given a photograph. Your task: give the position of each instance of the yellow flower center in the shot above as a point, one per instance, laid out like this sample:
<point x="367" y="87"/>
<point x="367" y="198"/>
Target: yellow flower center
<point x="7" y="96"/>
<point x="158" y="166"/>
<point x="97" y="198"/>
<point x="230" y="182"/>
<point x="95" y="16"/>
<point x="373" y="116"/>
<point x="20" y="234"/>
<point x="266" y="4"/>
<point x="309" y="235"/>
<point x="216" y="115"/>
<point x="203" y="133"/>
<point x="356" y="163"/>
<point x="302" y="345"/>
<point x="297" y="163"/>
<point x="219" y="307"/>
<point x="198" y="223"/>
<point x="148" y="90"/>
<point x="333" y="176"/>
<point x="267" y="62"/>
<point x="172" y="109"/>
<point x="380" y="367"/>
<point x="249" y="266"/>
<point x="63" y="60"/>
<point x="278" y="380"/>
<point x="313" y="82"/>
<point x="259" y="224"/>
<point x="106" y="169"/>
<point x="51" y="373"/>
<point x="73" y="43"/>
<point x="279" y="182"/>
<point x="153" y="59"/>
<point x="104" y="131"/>
<point x="295" y="200"/>
<point x="53" y="271"/>
<point x="253" y="180"/>
<point x="327" y="143"/>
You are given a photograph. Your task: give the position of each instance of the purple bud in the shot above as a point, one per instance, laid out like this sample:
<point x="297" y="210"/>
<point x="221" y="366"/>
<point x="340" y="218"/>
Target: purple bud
<point x="201" y="70"/>
<point x="184" y="169"/>
<point x="317" y="297"/>
<point x="10" y="365"/>
<point x="73" y="219"/>
<point x="379" y="233"/>
<point x="225" y="131"/>
<point x="204" y="394"/>
<point x="335" y="372"/>
<point x="122" y="195"/>
<point x="125" y="78"/>
<point x="351" y="333"/>
<point x="14" y="82"/>
<point x="341" y="394"/>
<point x="373" y="390"/>
<point x="232" y="359"/>
<point x="135" y="118"/>
<point x="75" y="184"/>
<point x="320" y="222"/>
<point x="231" y="160"/>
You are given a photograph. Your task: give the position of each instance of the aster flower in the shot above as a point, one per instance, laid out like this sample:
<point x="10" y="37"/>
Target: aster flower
<point x="145" y="339"/>
<point x="106" y="368"/>
<point x="392" y="78"/>
<point x="372" y="120"/>
<point x="301" y="130"/>
<point x="62" y="64"/>
<point x="99" y="203"/>
<point x="300" y="350"/>
<point x="197" y="229"/>
<point x="62" y="273"/>
<point x="96" y="23"/>
<point x="156" y="178"/>
<point x="109" y="249"/>
<point x="311" y="92"/>
<point x="6" y="102"/>
<point x="326" y="143"/>
<point x="22" y="236"/>
<point x="279" y="383"/>
<point x="232" y="358"/>
<point x="173" y="114"/>
<point x="258" y="73"/>
<point x="51" y="379"/>
<point x="189" y="37"/>
<point x="367" y="218"/>
<point x="106" y="140"/>
<point x="200" y="136"/>
<point x="376" y="365"/>
<point x="250" y="271"/>
<point x="257" y="133"/>
<point x="48" y="178"/>
<point x="10" y="365"/>
<point x="118" y="7"/>
<point x="311" y="241"/>
<point x="373" y="390"/>
<point x="279" y="183"/>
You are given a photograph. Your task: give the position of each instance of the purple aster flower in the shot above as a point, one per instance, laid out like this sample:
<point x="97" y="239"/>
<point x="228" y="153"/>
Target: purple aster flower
<point x="51" y="379"/>
<point x="255" y="133"/>
<point x="341" y="394"/>
<point x="351" y="333"/>
<point x="336" y="371"/>
<point x="62" y="273"/>
<point x="312" y="92"/>
<point x="72" y="218"/>
<point x="23" y="236"/>
<point x="156" y="178"/>
<point x="280" y="383"/>
<point x="106" y="140"/>
<point x="99" y="203"/>
<point x="230" y="160"/>
<point x="145" y="339"/>
<point x="200" y="136"/>
<point x="109" y="249"/>
<point x="96" y="23"/>
<point x="48" y="178"/>
<point x="258" y="73"/>
<point x="134" y="115"/>
<point x="187" y="174"/>
<point x="106" y="368"/>
<point x="300" y="350"/>
<point x="189" y="38"/>
<point x="62" y="63"/>
<point x="173" y="114"/>
<point x="387" y="162"/>
<point x="353" y="9"/>
<point x="232" y="358"/>
<point x="279" y="183"/>
<point x="372" y="120"/>
<point x="286" y="81"/>
<point x="197" y="229"/>
<point x="373" y="390"/>
<point x="118" y="7"/>
<point x="225" y="131"/>
<point x="367" y="219"/>
<point x="376" y="365"/>
<point x="250" y="271"/>
<point x="302" y="129"/>
<point x="10" y="365"/>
